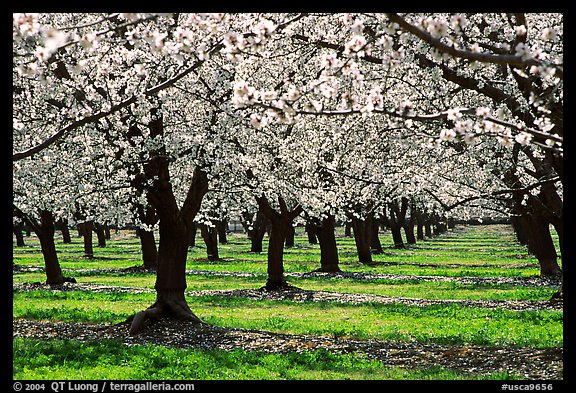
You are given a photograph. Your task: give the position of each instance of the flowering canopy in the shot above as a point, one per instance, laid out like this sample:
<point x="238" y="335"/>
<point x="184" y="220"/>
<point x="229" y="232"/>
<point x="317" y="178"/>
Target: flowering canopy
<point x="326" y="111"/>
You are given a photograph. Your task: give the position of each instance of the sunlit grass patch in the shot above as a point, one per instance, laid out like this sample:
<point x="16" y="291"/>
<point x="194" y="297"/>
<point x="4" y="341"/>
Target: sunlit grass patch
<point x="104" y="360"/>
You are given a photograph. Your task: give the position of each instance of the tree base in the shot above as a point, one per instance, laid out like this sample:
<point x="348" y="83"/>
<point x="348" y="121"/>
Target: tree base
<point x="328" y="269"/>
<point x="550" y="269"/>
<point x="164" y="307"/>
<point x="277" y="286"/>
<point x="140" y="269"/>
<point x="60" y="283"/>
<point x="557" y="296"/>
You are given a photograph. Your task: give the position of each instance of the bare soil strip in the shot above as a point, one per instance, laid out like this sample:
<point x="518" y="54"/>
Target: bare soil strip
<point x="531" y="363"/>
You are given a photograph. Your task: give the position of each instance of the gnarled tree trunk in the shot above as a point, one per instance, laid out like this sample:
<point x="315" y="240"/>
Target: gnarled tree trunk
<point x="44" y="229"/>
<point x="375" y="245"/>
<point x="210" y="236"/>
<point x="280" y="225"/>
<point x="149" y="250"/>
<point x="87" y="235"/>
<point x="147" y="215"/>
<point x="174" y="228"/>
<point x="17" y="230"/>
<point x="328" y="250"/>
<point x="362" y="240"/>
<point x="100" y="234"/>
<point x="311" y="232"/>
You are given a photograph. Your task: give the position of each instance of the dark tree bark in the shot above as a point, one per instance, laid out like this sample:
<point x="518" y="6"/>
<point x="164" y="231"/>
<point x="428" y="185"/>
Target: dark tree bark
<point x="45" y="229"/>
<point x="87" y="234"/>
<point x="280" y="223"/>
<point x="255" y="226"/>
<point x="420" y="221"/>
<point x="329" y="261"/>
<point x="174" y="228"/>
<point x="540" y="244"/>
<point x="192" y="235"/>
<point x="428" y="228"/>
<point x="17" y="230"/>
<point x="210" y="236"/>
<point x="290" y="237"/>
<point x="311" y="232"/>
<point x="106" y="231"/>
<point x="46" y="236"/>
<point x="409" y="229"/>
<point x="550" y="206"/>
<point x="100" y="234"/>
<point x="348" y="229"/>
<point x="258" y="232"/>
<point x="147" y="215"/>
<point x="519" y="225"/>
<point x="149" y="250"/>
<point x="222" y="227"/>
<point x="375" y="245"/>
<point x="559" y="294"/>
<point x="396" y="221"/>
<point x="63" y="225"/>
<point x="80" y="229"/>
<point x="362" y="239"/>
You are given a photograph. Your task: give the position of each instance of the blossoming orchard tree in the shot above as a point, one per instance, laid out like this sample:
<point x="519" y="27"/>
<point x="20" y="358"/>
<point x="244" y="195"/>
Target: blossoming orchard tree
<point x="327" y="114"/>
<point x="469" y="77"/>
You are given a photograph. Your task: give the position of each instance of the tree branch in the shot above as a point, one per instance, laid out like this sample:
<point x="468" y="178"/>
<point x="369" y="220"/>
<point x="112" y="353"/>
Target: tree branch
<point x="91" y="119"/>
<point x="512" y="60"/>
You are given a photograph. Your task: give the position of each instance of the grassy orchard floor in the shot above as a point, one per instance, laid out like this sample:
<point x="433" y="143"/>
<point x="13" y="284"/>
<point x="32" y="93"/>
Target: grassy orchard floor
<point x="475" y="263"/>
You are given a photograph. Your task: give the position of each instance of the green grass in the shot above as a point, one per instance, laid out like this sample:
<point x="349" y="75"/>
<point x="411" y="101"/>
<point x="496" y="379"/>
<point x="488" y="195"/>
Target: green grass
<point x="410" y="288"/>
<point x="443" y="324"/>
<point x="64" y="359"/>
<point x="481" y="251"/>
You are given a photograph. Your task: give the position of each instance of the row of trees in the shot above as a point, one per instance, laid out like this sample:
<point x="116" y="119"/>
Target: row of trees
<point x="178" y="120"/>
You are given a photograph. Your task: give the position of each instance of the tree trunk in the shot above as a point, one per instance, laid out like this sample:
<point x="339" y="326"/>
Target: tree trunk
<point x="419" y="225"/>
<point x="255" y="226"/>
<point x="409" y="229"/>
<point x="87" y="233"/>
<point x="428" y="228"/>
<point x="100" y="235"/>
<point x="221" y="227"/>
<point x="328" y="250"/>
<point x="66" y="238"/>
<point x="519" y="225"/>
<point x="174" y="227"/>
<point x="396" y="221"/>
<point x="258" y="236"/>
<point x="210" y="236"/>
<point x="540" y="244"/>
<point x="280" y="225"/>
<point x="348" y="229"/>
<point x="17" y="229"/>
<point x="311" y="232"/>
<point x="80" y="229"/>
<point x="550" y="206"/>
<point x="375" y="245"/>
<point x="149" y="250"/>
<point x="276" y="241"/>
<point x="51" y="264"/>
<point x="192" y="235"/>
<point x="174" y="230"/>
<point x="362" y="240"/>
<point x="290" y="232"/>
<point x="63" y="226"/>
<point x="559" y="294"/>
